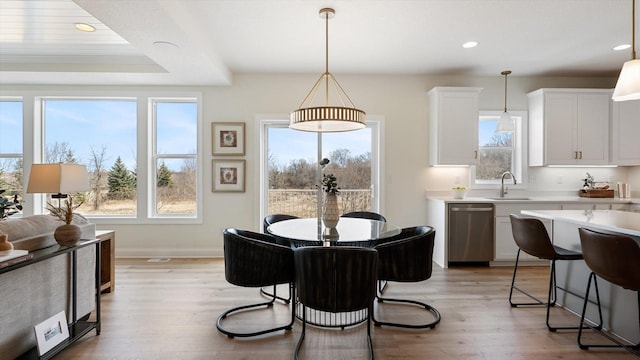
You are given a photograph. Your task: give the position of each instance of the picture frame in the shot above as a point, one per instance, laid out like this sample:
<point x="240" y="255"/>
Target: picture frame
<point x="227" y="138"/>
<point x="228" y="175"/>
<point x="51" y="332"/>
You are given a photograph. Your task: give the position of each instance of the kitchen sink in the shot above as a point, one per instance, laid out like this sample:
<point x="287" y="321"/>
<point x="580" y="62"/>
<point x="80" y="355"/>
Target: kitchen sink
<point x="510" y="198"/>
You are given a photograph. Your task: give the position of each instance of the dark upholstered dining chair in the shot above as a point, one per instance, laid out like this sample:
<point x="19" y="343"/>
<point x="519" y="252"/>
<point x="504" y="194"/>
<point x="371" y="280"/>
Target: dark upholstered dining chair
<point x="274" y="218"/>
<point x="266" y="222"/>
<point x="364" y="215"/>
<point x="614" y="258"/>
<point x="336" y="279"/>
<point x="407" y="257"/>
<point x="255" y="260"/>
<point x="531" y="237"/>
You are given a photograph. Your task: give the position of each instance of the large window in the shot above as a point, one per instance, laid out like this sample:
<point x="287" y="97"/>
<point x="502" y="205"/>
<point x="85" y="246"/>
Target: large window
<point x="291" y="173"/>
<point x="499" y="152"/>
<point x="11" y="173"/>
<point x="143" y="153"/>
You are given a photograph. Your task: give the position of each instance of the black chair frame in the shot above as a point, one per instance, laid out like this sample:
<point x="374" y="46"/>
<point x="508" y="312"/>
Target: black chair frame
<point x="256" y="238"/>
<point x="324" y="292"/>
<point x="268" y="220"/>
<point x="406" y="238"/>
<point x="552" y="296"/>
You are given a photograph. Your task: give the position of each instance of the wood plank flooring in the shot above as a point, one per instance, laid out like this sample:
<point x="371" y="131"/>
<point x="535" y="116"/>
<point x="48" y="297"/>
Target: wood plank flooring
<point x="168" y="311"/>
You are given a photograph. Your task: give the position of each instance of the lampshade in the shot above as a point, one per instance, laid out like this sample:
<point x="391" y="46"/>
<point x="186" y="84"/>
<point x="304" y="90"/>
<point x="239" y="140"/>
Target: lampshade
<point x="58" y="178"/>
<point x="628" y="85"/>
<point x="327" y="118"/>
<point x="505" y="123"/>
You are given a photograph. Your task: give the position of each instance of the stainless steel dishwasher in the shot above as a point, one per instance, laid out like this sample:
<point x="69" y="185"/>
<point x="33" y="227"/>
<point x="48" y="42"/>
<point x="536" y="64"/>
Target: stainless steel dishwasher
<point x="470" y="233"/>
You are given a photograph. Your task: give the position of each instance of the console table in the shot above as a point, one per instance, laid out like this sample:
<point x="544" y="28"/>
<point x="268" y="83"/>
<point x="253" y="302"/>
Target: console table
<point x="108" y="249"/>
<point x="77" y="328"/>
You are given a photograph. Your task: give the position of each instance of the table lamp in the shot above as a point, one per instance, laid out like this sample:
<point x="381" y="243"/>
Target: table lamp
<point x="60" y="180"/>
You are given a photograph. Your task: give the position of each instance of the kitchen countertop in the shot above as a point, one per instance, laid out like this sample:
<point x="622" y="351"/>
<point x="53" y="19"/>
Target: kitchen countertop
<point x="623" y="222"/>
<point x="537" y="199"/>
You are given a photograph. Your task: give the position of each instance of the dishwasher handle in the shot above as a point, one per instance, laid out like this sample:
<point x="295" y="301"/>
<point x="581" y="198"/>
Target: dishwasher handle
<point x="483" y="209"/>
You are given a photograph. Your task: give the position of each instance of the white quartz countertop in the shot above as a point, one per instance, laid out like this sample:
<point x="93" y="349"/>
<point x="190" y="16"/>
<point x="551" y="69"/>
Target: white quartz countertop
<point x="537" y="199"/>
<point x="623" y="222"/>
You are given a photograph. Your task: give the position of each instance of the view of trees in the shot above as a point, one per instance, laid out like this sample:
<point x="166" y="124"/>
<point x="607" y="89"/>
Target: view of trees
<point x="352" y="172"/>
<point x="495" y="157"/>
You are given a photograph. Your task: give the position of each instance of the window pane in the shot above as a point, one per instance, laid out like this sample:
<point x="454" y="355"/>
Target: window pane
<point x="350" y="156"/>
<point x="492" y="163"/>
<point x="11" y="127"/>
<point x="176" y="127"/>
<point x="176" y="186"/>
<point x="292" y="170"/>
<point x="100" y="134"/>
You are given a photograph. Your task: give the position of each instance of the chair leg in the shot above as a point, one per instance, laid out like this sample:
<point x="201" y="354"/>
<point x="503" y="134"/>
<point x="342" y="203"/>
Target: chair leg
<point x="268" y="304"/>
<point x="274" y="295"/>
<point x="537" y="302"/>
<point x="369" y="342"/>
<point x="632" y="348"/>
<point x="303" y="333"/>
<point x="553" y="295"/>
<point x="429" y="308"/>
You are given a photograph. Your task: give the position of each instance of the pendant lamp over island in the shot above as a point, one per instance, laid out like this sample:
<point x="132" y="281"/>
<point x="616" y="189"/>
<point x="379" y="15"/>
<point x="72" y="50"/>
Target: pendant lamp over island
<point x="327" y="118"/>
<point x="505" y="124"/>
<point x="628" y="85"/>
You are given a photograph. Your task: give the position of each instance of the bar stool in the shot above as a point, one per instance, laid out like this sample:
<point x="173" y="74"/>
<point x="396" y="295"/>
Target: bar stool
<point x="531" y="237"/>
<point x="614" y="258"/>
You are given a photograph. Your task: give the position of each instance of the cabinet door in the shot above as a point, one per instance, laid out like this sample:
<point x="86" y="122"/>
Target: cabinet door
<point x="560" y="114"/>
<point x="506" y="247"/>
<point x="453" y="126"/>
<point x="625" y="125"/>
<point x="593" y="129"/>
<point x="578" y="206"/>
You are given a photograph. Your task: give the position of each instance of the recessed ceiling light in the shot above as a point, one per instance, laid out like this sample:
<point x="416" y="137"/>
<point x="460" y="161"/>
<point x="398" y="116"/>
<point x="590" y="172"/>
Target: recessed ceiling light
<point x="470" y="44"/>
<point x="84" y="27"/>
<point x="622" y="47"/>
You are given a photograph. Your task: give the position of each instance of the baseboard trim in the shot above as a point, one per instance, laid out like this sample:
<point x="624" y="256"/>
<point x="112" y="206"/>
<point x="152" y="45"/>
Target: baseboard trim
<point x="168" y="253"/>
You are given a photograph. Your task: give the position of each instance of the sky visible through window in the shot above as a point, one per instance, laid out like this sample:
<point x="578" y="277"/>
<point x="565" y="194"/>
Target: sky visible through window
<point x="288" y="145"/>
<point x="87" y="124"/>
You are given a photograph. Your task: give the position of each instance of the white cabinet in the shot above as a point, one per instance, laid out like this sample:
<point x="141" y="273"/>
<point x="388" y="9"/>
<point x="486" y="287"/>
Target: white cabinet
<point x="625" y="132"/>
<point x="453" y="125"/>
<point x="505" y="246"/>
<point x="569" y="127"/>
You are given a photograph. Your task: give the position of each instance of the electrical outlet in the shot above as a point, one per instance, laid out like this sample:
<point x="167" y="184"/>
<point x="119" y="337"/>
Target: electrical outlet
<point x="559" y="179"/>
<point x="456" y="179"/>
<point x="532" y="179"/>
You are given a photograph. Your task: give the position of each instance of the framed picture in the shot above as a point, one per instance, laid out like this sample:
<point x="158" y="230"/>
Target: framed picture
<point x="228" y="175"/>
<point x="51" y="332"/>
<point x="227" y="138"/>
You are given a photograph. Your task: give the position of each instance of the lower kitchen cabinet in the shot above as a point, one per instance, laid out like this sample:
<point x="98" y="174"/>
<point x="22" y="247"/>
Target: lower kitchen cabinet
<point x="506" y="248"/>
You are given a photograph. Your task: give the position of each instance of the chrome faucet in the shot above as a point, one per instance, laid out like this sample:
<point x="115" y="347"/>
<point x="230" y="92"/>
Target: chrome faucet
<point x="504" y="190"/>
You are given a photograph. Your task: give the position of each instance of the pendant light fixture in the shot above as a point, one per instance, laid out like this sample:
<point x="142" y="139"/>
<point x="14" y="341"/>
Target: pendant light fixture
<point x="505" y="124"/>
<point x="327" y="118"/>
<point x="628" y="85"/>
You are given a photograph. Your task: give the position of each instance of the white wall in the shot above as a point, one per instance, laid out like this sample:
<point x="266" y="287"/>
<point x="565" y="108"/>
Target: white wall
<point x="402" y="100"/>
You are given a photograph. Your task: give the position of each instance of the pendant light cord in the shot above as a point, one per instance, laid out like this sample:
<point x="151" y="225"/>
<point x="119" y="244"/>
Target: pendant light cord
<point x="633" y="29"/>
<point x="505" y="92"/>
<point x="326" y="57"/>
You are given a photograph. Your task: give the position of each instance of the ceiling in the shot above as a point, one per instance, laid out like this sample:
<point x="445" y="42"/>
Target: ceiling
<point x="198" y="42"/>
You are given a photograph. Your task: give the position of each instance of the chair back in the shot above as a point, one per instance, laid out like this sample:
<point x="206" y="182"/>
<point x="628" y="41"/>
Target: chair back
<point x="336" y="278"/>
<point x="408" y="257"/>
<point x="613" y="257"/>
<point x="253" y="259"/>
<point x="531" y="237"/>
<point x="274" y="218"/>
<point x="364" y="215"/>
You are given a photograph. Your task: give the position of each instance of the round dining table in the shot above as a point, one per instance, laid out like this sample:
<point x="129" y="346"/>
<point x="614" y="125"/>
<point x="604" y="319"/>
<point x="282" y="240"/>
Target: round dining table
<point x="349" y="232"/>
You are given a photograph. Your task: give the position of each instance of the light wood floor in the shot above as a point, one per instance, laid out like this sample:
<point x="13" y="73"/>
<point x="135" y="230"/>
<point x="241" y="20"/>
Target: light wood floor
<point x="168" y="311"/>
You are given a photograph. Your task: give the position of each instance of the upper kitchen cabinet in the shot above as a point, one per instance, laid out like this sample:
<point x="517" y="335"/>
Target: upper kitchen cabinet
<point x="569" y="127"/>
<point x="453" y="125"/>
<point x="625" y="133"/>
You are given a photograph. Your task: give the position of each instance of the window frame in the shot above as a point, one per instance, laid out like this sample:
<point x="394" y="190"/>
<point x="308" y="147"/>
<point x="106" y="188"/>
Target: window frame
<point x="33" y="150"/>
<point x="520" y="156"/>
<point x="374" y="122"/>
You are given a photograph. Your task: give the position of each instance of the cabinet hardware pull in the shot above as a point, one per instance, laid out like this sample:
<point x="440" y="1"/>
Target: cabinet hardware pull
<point x="475" y="154"/>
<point x="580" y="154"/>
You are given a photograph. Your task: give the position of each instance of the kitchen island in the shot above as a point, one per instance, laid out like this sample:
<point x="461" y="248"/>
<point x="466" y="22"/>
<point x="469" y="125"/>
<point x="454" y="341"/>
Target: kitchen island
<point x="619" y="306"/>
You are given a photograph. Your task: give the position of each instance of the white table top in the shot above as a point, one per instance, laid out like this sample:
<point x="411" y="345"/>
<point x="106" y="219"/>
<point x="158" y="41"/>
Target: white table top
<point x="348" y="229"/>
<point x="624" y="222"/>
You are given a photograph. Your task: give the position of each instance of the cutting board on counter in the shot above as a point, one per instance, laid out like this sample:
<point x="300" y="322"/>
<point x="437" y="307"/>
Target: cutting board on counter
<point x="596" y="193"/>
